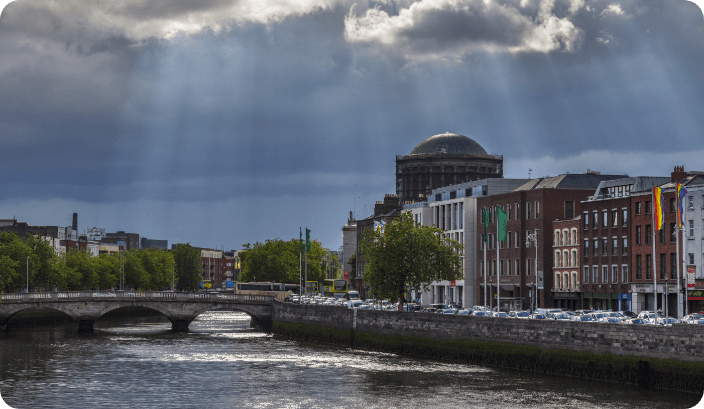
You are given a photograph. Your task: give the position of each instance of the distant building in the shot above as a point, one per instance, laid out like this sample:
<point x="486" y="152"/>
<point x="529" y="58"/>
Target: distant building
<point x="443" y="160"/>
<point x="129" y="240"/>
<point x="146" y="243"/>
<point x="94" y="233"/>
<point x="217" y="267"/>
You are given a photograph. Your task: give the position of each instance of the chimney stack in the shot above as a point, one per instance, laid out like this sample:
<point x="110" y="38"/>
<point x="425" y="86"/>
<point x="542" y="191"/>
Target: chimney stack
<point x="74" y="226"/>
<point x="678" y="174"/>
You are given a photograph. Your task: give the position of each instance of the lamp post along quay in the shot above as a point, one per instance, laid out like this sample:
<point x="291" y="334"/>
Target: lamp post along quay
<point x="534" y="239"/>
<point x="27" y="289"/>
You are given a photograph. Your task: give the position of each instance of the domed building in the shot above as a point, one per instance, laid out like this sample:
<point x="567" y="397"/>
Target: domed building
<point x="443" y="160"/>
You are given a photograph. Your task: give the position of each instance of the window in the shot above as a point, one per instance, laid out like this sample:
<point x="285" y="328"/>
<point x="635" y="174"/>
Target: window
<point x="638" y="209"/>
<point x="614" y="218"/>
<point x="624" y="274"/>
<point x="614" y="274"/>
<point x="596" y="220"/>
<point x="557" y="259"/>
<point x="614" y="246"/>
<point x="509" y="269"/>
<point x="586" y="220"/>
<point x="528" y="265"/>
<point x="527" y="210"/>
<point x="527" y="238"/>
<point x="691" y="202"/>
<point x="508" y="213"/>
<point x="573" y="259"/>
<point x="501" y="267"/>
<point x="690" y="258"/>
<point x="481" y="267"/>
<point x="673" y="232"/>
<point x="586" y="248"/>
<point x="518" y="214"/>
<point x="518" y="238"/>
<point x="638" y="267"/>
<point x="556" y="282"/>
<point x="569" y="209"/>
<point x="508" y="239"/>
<point x="638" y="235"/>
<point x="673" y="265"/>
<point x="648" y="233"/>
<point x="661" y="234"/>
<point x="556" y="238"/>
<point x="624" y="246"/>
<point x="604" y="274"/>
<point x="537" y="210"/>
<point x="595" y="275"/>
<point x="596" y="247"/>
<point x="624" y="217"/>
<point x="604" y="246"/>
<point x="585" y="276"/>
<point x="648" y="266"/>
<point x="663" y="266"/>
<point x="672" y="204"/>
<point x="691" y="229"/>
<point x="461" y="215"/>
<point x="573" y="236"/>
<point x="518" y="267"/>
<point x="647" y="206"/>
<point x="605" y="220"/>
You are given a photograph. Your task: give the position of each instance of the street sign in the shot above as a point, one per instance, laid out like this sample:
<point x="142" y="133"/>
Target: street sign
<point x="452" y="283"/>
<point x="540" y="279"/>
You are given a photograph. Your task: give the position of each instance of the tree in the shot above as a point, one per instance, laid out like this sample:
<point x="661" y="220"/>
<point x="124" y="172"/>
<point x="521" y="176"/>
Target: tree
<point x="407" y="255"/>
<point x="353" y="271"/>
<point x="278" y="261"/>
<point x="187" y="262"/>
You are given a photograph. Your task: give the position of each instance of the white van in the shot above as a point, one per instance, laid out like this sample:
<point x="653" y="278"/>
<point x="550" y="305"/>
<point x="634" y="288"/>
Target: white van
<point x="354" y="303"/>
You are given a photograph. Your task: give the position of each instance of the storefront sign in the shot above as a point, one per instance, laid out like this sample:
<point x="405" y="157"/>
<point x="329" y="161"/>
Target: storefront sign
<point x="642" y="288"/>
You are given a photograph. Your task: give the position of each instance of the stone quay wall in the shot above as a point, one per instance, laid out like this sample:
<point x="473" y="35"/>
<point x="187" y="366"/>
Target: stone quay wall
<point x="658" y="357"/>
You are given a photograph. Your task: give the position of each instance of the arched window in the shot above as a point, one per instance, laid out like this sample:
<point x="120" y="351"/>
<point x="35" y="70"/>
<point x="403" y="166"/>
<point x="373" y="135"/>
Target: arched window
<point x="565" y="238"/>
<point x="573" y="262"/>
<point x="556" y="240"/>
<point x="565" y="258"/>
<point x="556" y="283"/>
<point x="574" y="280"/>
<point x="574" y="236"/>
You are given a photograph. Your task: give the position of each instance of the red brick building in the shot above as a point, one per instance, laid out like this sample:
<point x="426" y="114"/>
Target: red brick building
<point x="532" y="208"/>
<point x="566" y="263"/>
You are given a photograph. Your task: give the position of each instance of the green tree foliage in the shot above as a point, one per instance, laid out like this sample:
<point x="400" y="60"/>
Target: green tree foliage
<point x="187" y="262"/>
<point x="76" y="270"/>
<point x="278" y="261"/>
<point x="407" y="256"/>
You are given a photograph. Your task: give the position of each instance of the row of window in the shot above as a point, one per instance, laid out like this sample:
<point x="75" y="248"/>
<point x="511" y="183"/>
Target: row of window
<point x="666" y="270"/>
<point x="604" y="250"/>
<point x="563" y="259"/>
<point x="453" y="211"/>
<point x="607" y="220"/>
<point x="609" y="274"/>
<point x="565" y="237"/>
<point x="511" y="237"/>
<point x="507" y="267"/>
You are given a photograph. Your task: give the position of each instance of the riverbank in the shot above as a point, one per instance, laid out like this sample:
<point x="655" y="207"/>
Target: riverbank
<point x="44" y="316"/>
<point x="461" y="339"/>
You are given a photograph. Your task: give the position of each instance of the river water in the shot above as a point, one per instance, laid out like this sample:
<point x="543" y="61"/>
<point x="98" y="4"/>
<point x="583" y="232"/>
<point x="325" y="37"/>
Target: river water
<point x="222" y="363"/>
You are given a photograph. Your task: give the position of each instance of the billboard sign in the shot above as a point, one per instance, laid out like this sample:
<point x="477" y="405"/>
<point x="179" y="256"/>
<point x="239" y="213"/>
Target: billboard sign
<point x="690" y="276"/>
<point x="229" y="284"/>
<point x="347" y="276"/>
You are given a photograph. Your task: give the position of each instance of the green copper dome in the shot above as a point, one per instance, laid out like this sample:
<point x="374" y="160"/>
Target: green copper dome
<point x="448" y="142"/>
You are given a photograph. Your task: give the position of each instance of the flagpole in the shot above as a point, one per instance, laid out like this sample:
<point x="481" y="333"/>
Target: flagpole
<point x="654" y="262"/>
<point x="498" y="269"/>
<point x="684" y="269"/>
<point x="300" y="272"/>
<point x="306" y="281"/>
<point x="486" y="270"/>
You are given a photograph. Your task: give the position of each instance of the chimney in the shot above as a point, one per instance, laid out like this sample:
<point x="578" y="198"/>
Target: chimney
<point x="678" y="174"/>
<point x="74" y="226"/>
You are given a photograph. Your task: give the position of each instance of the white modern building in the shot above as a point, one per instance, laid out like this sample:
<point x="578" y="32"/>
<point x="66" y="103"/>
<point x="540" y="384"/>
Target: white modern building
<point x="693" y="257"/>
<point x="454" y="210"/>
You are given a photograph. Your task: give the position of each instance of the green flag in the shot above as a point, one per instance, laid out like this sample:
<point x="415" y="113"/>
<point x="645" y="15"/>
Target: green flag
<point x="485" y="222"/>
<point x="307" y="240"/>
<point x="501" y="219"/>
<point x="300" y="240"/>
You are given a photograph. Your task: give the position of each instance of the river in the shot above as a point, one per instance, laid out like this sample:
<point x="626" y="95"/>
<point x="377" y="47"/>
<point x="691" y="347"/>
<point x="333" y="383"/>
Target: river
<point x="222" y="363"/>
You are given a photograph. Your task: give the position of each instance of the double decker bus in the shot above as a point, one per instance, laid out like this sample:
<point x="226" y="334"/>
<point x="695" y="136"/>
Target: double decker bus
<point x="335" y="288"/>
<point x="311" y="288"/>
<point x="279" y="291"/>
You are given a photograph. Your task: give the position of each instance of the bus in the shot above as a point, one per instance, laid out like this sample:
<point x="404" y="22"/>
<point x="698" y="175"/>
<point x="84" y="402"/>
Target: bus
<point x="335" y="288"/>
<point x="311" y="288"/>
<point x="206" y="284"/>
<point x="280" y="291"/>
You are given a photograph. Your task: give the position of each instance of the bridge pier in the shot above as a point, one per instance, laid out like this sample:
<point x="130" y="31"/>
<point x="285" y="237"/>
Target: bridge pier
<point x="180" y="325"/>
<point x="85" y="325"/>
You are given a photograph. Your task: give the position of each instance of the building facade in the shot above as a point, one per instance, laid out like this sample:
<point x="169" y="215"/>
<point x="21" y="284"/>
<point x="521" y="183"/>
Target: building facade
<point x="566" y="263"/>
<point x="694" y="247"/>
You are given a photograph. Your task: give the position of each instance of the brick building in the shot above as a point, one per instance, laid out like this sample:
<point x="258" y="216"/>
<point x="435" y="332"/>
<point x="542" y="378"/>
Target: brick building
<point x="566" y="263"/>
<point x="531" y="209"/>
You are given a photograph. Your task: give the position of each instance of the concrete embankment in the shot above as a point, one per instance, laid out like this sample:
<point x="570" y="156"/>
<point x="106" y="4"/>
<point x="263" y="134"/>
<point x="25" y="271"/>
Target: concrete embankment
<point x="653" y="357"/>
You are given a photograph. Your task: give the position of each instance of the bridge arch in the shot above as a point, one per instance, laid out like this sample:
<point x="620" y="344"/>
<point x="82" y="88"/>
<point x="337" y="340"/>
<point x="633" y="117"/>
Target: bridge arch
<point x="18" y="308"/>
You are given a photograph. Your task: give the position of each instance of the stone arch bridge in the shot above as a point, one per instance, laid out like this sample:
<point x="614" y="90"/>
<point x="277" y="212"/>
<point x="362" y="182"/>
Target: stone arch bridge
<point x="86" y="307"/>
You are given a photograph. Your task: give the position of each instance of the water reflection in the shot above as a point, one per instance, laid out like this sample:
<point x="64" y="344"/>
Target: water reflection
<point x="222" y="363"/>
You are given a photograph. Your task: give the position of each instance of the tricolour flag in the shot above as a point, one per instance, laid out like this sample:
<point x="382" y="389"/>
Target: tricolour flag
<point x="502" y="220"/>
<point x="657" y="208"/>
<point x="681" y="192"/>
<point x="307" y="240"/>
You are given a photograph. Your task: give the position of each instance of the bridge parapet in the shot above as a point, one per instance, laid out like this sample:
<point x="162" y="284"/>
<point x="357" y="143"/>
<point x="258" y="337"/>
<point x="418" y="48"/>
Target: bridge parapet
<point x="133" y="295"/>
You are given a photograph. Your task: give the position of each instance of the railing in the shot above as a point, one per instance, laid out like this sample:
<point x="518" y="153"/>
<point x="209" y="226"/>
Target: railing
<point x="131" y="295"/>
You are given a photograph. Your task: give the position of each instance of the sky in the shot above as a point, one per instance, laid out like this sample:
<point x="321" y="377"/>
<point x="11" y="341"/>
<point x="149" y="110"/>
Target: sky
<point x="225" y="122"/>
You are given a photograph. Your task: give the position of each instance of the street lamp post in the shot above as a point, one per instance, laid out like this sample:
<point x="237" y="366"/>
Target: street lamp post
<point x="27" y="290"/>
<point x="533" y="238"/>
<point x="173" y="281"/>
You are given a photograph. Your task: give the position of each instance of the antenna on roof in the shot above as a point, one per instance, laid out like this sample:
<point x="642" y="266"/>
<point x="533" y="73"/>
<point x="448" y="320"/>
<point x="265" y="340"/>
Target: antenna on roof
<point x="529" y="170"/>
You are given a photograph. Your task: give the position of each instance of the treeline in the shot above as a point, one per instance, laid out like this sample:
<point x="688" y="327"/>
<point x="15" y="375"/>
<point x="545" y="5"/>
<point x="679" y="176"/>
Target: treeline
<point x="76" y="270"/>
<point x="278" y="261"/>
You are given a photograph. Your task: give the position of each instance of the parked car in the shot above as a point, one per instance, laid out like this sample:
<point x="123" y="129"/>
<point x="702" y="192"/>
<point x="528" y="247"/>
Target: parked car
<point x="464" y="312"/>
<point x="691" y="318"/>
<point x="499" y="314"/>
<point x="519" y="314"/>
<point x="537" y="317"/>
<point x="353" y="295"/>
<point x="636" y="321"/>
<point x="482" y="313"/>
<point x="666" y="321"/>
<point x="354" y="304"/>
<point x="583" y="318"/>
<point x="610" y="320"/>
<point x="449" y="311"/>
<point x="561" y="317"/>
